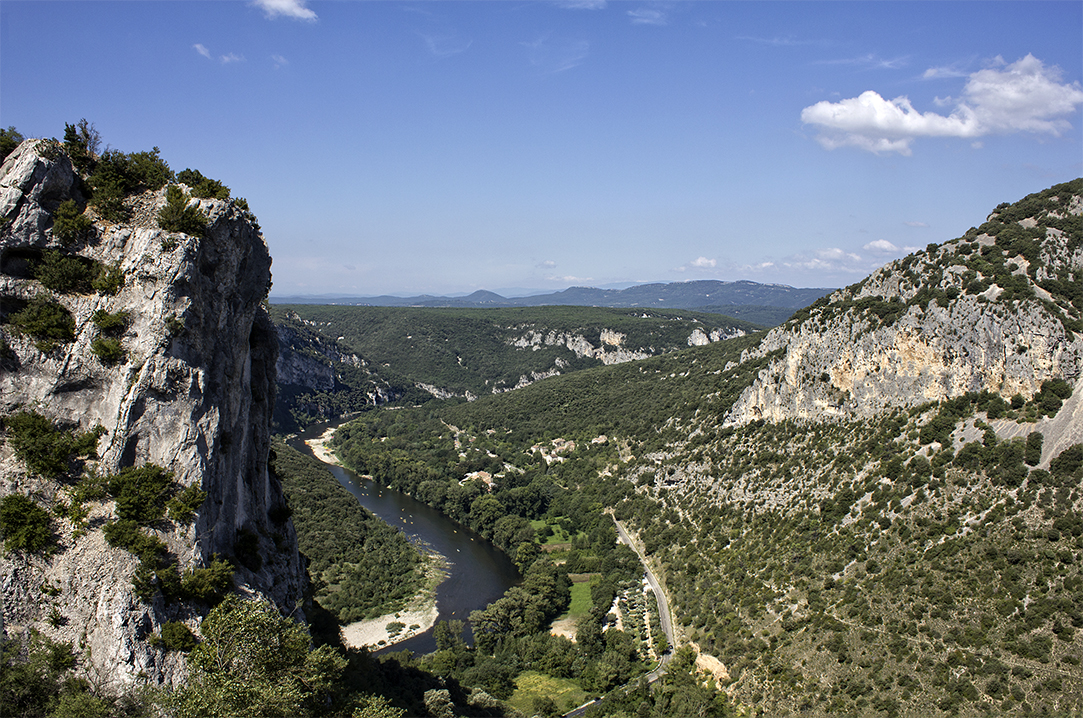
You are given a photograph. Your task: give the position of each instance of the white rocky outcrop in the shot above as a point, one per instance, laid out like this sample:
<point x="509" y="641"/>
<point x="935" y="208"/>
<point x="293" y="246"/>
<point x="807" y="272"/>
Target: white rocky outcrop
<point x="842" y="361"/>
<point x="194" y="395"/>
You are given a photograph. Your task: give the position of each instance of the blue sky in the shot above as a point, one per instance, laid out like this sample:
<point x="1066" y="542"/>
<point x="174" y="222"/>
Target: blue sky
<point x="444" y="147"/>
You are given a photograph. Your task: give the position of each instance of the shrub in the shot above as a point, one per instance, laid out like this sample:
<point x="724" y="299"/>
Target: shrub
<point x="82" y="142"/>
<point x="183" y="506"/>
<point x="203" y="187"/>
<point x="1067" y="462"/>
<point x="210" y="584"/>
<point x="118" y="175"/>
<point x="125" y="534"/>
<point x="1033" y="452"/>
<point x="9" y="140"/>
<point x="175" y="325"/>
<point x="67" y="274"/>
<point x="46" y="321"/>
<point x="45" y="449"/>
<point x="69" y="222"/>
<point x="175" y="636"/>
<point x="177" y="216"/>
<point x="141" y="493"/>
<point x="24" y="525"/>
<point x="110" y="323"/>
<point x="108" y="349"/>
<point x="108" y="280"/>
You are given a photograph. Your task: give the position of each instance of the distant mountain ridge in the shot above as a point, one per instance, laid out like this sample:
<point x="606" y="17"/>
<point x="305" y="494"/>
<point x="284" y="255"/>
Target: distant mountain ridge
<point x="672" y="295"/>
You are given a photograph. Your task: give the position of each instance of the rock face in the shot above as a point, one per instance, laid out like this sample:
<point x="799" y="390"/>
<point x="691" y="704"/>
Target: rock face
<point x="193" y="394"/>
<point x="310" y="367"/>
<point x="996" y="310"/>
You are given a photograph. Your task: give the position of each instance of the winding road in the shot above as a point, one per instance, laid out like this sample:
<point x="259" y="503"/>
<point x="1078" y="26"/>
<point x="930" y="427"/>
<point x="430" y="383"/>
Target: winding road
<point x="664" y="619"/>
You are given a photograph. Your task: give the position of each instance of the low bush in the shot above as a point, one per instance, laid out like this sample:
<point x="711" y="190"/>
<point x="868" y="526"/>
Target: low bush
<point x="126" y="534"/>
<point x="108" y="280"/>
<point x="82" y="143"/>
<point x="108" y="349"/>
<point x="64" y="273"/>
<point x="45" y="320"/>
<point x="203" y="187"/>
<point x="141" y="493"/>
<point x="9" y="140"/>
<point x="175" y="636"/>
<point x="117" y="175"/>
<point x="177" y="216"/>
<point x="45" y="449"/>
<point x="183" y="506"/>
<point x="110" y="323"/>
<point x="210" y="584"/>
<point x="24" y="525"/>
<point x="69" y="222"/>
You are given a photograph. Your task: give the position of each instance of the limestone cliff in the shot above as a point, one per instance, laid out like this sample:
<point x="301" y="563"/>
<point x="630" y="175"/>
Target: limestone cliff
<point x="996" y="310"/>
<point x="192" y="392"/>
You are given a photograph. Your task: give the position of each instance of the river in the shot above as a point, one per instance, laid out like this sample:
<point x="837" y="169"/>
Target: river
<point x="478" y="572"/>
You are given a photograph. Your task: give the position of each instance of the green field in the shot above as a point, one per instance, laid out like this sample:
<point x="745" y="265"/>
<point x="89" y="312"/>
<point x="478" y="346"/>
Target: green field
<point x="580" y="602"/>
<point x="559" y="535"/>
<point x="565" y="693"/>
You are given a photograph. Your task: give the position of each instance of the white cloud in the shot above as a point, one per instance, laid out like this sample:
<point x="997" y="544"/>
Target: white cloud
<point x="870" y="61"/>
<point x="937" y="73"/>
<point x="880" y="245"/>
<point x="446" y="45"/>
<point x="1025" y="96"/>
<point x="556" y="56"/>
<point x="698" y="264"/>
<point x="202" y="50"/>
<point x="286" y="8"/>
<point x="778" y="41"/>
<point x="547" y="264"/>
<point x="231" y="57"/>
<point x="644" y="16"/>
<point x="279" y="61"/>
<point x="569" y="279"/>
<point x="582" y="4"/>
<point x="916" y="224"/>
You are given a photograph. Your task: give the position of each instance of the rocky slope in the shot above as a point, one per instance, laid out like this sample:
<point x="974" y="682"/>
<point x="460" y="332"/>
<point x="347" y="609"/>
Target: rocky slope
<point x="995" y="310"/>
<point x="188" y="386"/>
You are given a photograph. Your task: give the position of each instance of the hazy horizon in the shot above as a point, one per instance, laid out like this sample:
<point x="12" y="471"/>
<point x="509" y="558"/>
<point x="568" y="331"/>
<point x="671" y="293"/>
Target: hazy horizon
<point x="441" y="148"/>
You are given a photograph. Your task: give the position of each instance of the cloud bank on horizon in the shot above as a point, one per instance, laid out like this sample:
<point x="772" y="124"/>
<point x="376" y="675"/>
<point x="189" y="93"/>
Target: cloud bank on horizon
<point x="1025" y="96"/>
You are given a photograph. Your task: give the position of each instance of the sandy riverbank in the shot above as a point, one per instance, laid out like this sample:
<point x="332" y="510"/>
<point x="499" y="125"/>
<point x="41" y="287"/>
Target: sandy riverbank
<point x="321" y="450"/>
<point x="418" y="616"/>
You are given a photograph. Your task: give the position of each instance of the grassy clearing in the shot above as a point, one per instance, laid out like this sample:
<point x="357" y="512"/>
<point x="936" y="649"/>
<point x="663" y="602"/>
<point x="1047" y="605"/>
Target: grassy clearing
<point x="530" y="685"/>
<point x="581" y="602"/>
<point x="559" y="534"/>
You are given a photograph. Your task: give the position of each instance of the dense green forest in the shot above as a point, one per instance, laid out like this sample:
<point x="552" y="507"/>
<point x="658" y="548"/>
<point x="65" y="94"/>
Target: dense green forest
<point x="909" y="563"/>
<point x="360" y="566"/>
<point x="398" y="355"/>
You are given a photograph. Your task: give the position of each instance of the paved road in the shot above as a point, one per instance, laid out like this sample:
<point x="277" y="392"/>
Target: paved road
<point x="664" y="619"/>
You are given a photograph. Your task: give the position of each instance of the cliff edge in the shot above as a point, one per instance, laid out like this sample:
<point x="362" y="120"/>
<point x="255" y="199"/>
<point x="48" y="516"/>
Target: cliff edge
<point x="156" y="343"/>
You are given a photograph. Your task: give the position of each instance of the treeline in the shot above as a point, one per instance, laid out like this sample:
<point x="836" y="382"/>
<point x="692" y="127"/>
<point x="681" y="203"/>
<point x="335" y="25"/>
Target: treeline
<point x="360" y="566"/>
<point x="416" y="452"/>
<point x="472" y="350"/>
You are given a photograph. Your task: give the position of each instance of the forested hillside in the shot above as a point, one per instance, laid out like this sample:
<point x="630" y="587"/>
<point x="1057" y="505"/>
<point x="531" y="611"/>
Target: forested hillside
<point x="360" y="566"/>
<point x="901" y="535"/>
<point x="335" y="360"/>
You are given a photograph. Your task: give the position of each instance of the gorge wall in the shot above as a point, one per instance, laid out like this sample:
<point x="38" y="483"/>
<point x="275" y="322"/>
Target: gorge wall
<point x="192" y="393"/>
<point x="996" y="310"/>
